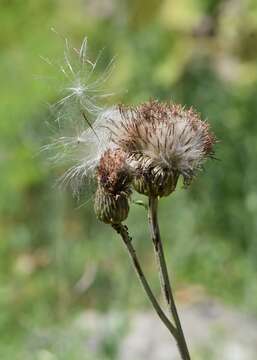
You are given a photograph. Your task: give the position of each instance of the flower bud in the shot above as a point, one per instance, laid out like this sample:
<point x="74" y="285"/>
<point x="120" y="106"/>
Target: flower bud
<point x="111" y="208"/>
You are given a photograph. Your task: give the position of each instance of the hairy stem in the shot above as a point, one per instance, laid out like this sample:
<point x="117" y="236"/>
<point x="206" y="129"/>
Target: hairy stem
<point x="123" y="231"/>
<point x="164" y="277"/>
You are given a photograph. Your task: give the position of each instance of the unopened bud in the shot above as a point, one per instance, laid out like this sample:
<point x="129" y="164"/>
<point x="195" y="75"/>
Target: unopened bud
<point x="111" y="208"/>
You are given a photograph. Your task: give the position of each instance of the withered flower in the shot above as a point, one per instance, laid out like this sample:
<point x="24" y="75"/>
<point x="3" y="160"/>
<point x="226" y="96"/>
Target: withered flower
<point x="162" y="141"/>
<point x="150" y="146"/>
<point x="114" y="187"/>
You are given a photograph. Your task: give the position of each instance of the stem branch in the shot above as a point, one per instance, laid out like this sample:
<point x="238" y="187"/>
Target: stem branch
<point x="164" y="277"/>
<point x="123" y="231"/>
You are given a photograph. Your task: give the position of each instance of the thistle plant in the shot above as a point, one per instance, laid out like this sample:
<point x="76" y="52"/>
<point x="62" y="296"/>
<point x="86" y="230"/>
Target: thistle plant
<point x="162" y="141"/>
<point x="144" y="148"/>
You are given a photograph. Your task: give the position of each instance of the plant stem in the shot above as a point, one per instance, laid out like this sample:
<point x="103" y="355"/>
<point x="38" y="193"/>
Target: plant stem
<point x="164" y="277"/>
<point x="123" y="231"/>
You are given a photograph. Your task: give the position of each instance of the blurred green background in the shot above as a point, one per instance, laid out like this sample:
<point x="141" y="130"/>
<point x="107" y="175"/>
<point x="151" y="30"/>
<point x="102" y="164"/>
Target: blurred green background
<point x="56" y="258"/>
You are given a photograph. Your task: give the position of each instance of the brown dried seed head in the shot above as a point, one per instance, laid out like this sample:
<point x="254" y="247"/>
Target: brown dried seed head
<point x="113" y="172"/>
<point x="164" y="135"/>
<point x="112" y="195"/>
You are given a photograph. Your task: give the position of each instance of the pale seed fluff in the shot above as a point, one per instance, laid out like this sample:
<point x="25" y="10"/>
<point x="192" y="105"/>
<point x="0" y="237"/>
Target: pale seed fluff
<point x="162" y="141"/>
<point x="77" y="144"/>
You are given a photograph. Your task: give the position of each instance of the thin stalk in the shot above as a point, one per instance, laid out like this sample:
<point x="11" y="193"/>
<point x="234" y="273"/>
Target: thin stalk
<point x="164" y="276"/>
<point x="123" y="231"/>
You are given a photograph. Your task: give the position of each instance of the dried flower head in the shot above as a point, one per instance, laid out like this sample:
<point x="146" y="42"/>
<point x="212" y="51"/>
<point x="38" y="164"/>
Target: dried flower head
<point x="113" y="173"/>
<point x="114" y="187"/>
<point x="162" y="141"/>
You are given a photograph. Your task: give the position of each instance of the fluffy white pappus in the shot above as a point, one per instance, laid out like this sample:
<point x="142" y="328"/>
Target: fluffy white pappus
<point x="163" y="134"/>
<point x="82" y="90"/>
<point x="78" y="142"/>
<point x="79" y="152"/>
<point x="82" y="150"/>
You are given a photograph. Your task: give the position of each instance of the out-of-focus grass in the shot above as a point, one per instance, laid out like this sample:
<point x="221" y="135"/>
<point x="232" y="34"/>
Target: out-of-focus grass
<point x="48" y="245"/>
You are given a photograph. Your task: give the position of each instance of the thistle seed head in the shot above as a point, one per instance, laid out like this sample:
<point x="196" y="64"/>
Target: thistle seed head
<point x="113" y="173"/>
<point x="162" y="141"/>
<point x="112" y="195"/>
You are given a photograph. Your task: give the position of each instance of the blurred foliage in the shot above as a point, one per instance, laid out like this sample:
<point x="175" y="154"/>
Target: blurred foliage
<point x="55" y="257"/>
